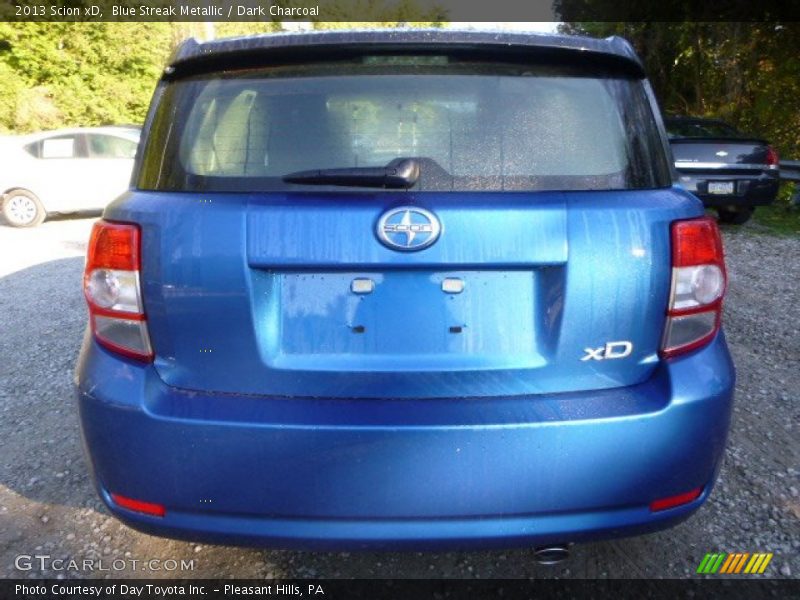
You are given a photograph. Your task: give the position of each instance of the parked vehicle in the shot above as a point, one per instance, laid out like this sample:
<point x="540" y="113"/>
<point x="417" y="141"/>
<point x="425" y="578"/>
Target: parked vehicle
<point x="411" y="289"/>
<point x="729" y="171"/>
<point x="64" y="171"/>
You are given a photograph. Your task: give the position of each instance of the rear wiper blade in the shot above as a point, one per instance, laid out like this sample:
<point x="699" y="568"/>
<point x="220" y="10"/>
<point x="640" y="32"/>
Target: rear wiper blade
<point x="400" y="173"/>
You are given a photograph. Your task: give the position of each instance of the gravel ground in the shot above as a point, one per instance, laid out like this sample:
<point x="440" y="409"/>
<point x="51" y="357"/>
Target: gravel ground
<point x="48" y="505"/>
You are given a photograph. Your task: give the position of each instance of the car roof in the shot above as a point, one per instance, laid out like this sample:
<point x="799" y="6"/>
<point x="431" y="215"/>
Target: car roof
<point x="127" y="132"/>
<point x="699" y="120"/>
<point x="613" y="51"/>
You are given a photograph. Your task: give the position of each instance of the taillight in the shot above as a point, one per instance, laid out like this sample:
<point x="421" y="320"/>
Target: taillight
<point x="698" y="285"/>
<point x="772" y="157"/>
<point x="147" y="508"/>
<point x="674" y="501"/>
<point x="111" y="287"/>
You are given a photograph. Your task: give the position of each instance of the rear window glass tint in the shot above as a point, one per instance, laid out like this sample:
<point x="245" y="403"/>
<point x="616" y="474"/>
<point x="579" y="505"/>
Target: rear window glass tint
<point x="471" y="129"/>
<point x="110" y="146"/>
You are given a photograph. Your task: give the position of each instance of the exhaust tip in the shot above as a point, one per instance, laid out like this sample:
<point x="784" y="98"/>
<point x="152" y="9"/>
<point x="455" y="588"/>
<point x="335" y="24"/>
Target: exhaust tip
<point x="551" y="555"/>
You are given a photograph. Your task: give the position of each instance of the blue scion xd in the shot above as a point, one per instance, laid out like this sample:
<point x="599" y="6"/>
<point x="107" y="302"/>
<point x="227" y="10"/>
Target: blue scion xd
<point x="407" y="289"/>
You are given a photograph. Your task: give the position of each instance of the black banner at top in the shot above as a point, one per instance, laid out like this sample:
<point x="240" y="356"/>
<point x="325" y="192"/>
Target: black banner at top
<point x="434" y="11"/>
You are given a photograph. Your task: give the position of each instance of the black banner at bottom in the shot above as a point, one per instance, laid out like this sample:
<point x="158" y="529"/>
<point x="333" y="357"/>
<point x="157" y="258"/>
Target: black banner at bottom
<point x="388" y="589"/>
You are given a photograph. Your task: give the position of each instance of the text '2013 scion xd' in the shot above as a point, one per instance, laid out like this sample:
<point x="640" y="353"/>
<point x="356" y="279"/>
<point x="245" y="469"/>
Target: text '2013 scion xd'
<point x="410" y="289"/>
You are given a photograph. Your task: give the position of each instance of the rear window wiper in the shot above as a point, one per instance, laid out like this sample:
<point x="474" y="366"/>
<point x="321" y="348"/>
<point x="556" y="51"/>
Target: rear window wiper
<point x="400" y="173"/>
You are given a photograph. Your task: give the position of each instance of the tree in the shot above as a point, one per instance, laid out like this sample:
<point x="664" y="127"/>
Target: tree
<point x="83" y="74"/>
<point x="745" y="73"/>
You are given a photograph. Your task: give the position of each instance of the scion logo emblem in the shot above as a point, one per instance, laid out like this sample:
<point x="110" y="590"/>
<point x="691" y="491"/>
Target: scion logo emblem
<point x="408" y="228"/>
<point x="609" y="351"/>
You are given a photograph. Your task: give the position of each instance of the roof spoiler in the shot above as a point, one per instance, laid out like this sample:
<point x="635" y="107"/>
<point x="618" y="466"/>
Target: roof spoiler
<point x="193" y="57"/>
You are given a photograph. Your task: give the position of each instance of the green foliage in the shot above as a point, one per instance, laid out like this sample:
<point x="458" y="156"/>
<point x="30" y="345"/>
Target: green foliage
<point x="782" y="217"/>
<point x="83" y="74"/>
<point x="79" y="73"/>
<point x="745" y="73"/>
<point x="778" y="220"/>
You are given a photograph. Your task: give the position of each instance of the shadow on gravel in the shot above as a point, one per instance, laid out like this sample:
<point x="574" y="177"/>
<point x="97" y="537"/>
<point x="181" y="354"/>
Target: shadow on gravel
<point x="43" y="318"/>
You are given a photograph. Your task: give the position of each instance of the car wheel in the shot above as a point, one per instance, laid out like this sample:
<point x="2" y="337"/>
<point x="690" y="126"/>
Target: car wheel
<point x="22" y="208"/>
<point x="739" y="216"/>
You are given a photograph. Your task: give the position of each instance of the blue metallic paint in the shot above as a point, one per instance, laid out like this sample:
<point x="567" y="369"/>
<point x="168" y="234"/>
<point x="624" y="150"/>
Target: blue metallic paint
<point x="292" y="431"/>
<point x="422" y="473"/>
<point x="270" y="418"/>
<point x="581" y="269"/>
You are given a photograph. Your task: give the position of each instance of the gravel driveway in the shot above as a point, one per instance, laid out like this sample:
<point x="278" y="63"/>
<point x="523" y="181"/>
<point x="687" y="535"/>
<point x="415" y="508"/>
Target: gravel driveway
<point x="48" y="505"/>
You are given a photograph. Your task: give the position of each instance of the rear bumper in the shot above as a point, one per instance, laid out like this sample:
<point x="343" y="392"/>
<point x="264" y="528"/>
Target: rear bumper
<point x="750" y="190"/>
<point x="422" y="474"/>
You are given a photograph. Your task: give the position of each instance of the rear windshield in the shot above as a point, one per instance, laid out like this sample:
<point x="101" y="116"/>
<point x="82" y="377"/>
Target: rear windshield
<point x="470" y="126"/>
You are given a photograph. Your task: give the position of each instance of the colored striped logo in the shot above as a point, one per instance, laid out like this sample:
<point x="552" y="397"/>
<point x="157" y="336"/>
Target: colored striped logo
<point x="735" y="563"/>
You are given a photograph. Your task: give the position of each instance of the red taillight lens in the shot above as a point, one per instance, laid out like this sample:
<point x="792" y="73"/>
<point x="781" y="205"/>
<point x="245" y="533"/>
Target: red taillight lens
<point x="111" y="287"/>
<point x="673" y="501"/>
<point x="772" y="156"/>
<point x="148" y="508"/>
<point x="698" y="285"/>
<point x="696" y="242"/>
<point x="114" y="246"/>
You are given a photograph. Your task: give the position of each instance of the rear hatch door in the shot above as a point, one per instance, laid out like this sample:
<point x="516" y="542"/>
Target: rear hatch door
<point x="260" y="295"/>
<point x="549" y="187"/>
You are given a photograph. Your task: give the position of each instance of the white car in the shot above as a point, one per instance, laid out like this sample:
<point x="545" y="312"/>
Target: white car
<point x="64" y="171"/>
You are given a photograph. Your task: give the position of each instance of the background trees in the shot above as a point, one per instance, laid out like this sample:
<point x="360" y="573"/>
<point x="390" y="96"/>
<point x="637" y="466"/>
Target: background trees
<point x="58" y="74"/>
<point x="65" y="74"/>
<point x="81" y="74"/>
<point x="745" y="73"/>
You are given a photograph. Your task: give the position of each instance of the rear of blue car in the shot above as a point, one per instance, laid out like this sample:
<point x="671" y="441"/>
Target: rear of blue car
<point x="411" y="290"/>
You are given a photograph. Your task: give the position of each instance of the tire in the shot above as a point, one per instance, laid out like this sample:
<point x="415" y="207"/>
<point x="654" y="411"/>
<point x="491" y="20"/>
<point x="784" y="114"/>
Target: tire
<point x="740" y="216"/>
<point x="22" y="208"/>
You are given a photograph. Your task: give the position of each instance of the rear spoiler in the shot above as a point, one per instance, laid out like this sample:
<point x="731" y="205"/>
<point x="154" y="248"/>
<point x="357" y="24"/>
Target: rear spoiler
<point x="192" y="57"/>
<point x="723" y="140"/>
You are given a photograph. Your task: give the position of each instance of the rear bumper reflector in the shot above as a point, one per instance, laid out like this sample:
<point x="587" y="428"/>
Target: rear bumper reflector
<point x="673" y="501"/>
<point x="148" y="508"/>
